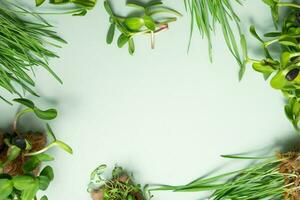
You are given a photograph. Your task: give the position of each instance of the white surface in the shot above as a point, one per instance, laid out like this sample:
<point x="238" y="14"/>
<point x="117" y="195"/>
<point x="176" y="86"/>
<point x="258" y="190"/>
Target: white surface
<point x="163" y="114"/>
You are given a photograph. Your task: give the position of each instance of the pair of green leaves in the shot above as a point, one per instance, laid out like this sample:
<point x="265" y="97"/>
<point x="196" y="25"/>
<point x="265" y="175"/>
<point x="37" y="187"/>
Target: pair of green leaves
<point x="143" y="22"/>
<point x="42" y="114"/>
<point x="27" y="185"/>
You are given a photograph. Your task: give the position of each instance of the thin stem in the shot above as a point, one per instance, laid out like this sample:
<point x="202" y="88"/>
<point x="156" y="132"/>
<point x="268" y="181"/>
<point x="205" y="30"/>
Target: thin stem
<point x="152" y="40"/>
<point x="42" y="150"/>
<point x="268" y="43"/>
<point x="251" y="60"/>
<point x="41" y="13"/>
<point x="288" y="5"/>
<point x="15" y="123"/>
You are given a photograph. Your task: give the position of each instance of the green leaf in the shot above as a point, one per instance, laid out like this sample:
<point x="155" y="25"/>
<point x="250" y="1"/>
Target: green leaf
<point x="253" y="32"/>
<point x="44" y="197"/>
<point x="6" y="188"/>
<point x="63" y="146"/>
<point x="30" y="192"/>
<point x="44" y="182"/>
<point x="13" y="152"/>
<point x="272" y="34"/>
<point x="131" y="47"/>
<point x="263" y="68"/>
<point x="44" y="157"/>
<point x="48" y="172"/>
<point x="163" y="10"/>
<point x="110" y="33"/>
<point x="134" y="23"/>
<point x="154" y="3"/>
<point x="31" y="164"/>
<point x="288" y="112"/>
<point x="244" y="46"/>
<point x="45" y="115"/>
<point x="149" y="23"/>
<point x="137" y="5"/>
<point x="122" y="40"/>
<point x="108" y="7"/>
<point x="23" y="182"/>
<point x="284" y="59"/>
<point x="25" y="102"/>
<point x="269" y="2"/>
<point x="39" y="2"/>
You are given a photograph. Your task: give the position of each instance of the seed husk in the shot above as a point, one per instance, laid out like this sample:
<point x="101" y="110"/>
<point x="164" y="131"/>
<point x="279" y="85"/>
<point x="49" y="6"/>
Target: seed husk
<point x="291" y="75"/>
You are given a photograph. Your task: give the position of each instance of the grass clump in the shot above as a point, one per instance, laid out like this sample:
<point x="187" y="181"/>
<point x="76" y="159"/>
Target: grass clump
<point x="275" y="177"/>
<point x="25" y="40"/>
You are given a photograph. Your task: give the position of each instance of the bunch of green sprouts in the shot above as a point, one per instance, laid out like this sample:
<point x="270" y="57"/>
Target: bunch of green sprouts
<point x="25" y="186"/>
<point x="24" y="38"/>
<point x="143" y="21"/>
<point x="284" y="68"/>
<point x="119" y="187"/>
<point x="206" y="14"/>
<point x="264" y="179"/>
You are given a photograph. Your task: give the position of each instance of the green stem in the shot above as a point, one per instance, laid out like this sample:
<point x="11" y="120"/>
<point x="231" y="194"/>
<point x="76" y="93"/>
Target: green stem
<point x="288" y="5"/>
<point x="42" y="150"/>
<point x="15" y="123"/>
<point x="296" y="127"/>
<point x="251" y="60"/>
<point x="268" y="43"/>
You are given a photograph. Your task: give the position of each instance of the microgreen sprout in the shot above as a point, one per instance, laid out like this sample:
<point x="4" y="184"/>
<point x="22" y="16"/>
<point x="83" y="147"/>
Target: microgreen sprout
<point x="120" y="186"/>
<point x="284" y="68"/>
<point x="145" y="21"/>
<point x="21" y="156"/>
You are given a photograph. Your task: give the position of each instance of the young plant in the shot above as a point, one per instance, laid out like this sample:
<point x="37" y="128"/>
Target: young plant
<point x="120" y="186"/>
<point x="283" y="64"/>
<point x="206" y="14"/>
<point x="145" y="20"/>
<point x="22" y="156"/>
<point x="25" y="38"/>
<point x="275" y="177"/>
<point x="80" y="7"/>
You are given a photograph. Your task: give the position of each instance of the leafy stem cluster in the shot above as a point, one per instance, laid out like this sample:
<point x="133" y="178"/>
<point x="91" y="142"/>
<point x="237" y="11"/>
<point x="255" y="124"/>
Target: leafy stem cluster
<point x="25" y="186"/>
<point x="143" y="21"/>
<point x="284" y="68"/>
<point x="119" y="186"/>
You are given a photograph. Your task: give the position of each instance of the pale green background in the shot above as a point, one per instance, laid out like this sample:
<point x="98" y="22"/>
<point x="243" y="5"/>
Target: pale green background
<point x="164" y="114"/>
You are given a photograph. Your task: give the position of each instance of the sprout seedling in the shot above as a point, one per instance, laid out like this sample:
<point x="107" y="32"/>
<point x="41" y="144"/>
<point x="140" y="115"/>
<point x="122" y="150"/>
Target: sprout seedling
<point x="284" y="68"/>
<point x="120" y="186"/>
<point x="22" y="156"/>
<point x="144" y="21"/>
